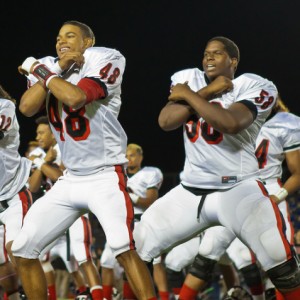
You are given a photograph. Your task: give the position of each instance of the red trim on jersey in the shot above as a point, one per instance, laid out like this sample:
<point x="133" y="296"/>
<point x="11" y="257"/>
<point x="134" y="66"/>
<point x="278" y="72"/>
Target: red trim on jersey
<point x="129" y="207"/>
<point x="279" y="182"/>
<point x="253" y="257"/>
<point x="26" y="199"/>
<point x="280" y="224"/>
<point x="263" y="189"/>
<point x="87" y="236"/>
<point x="92" y="89"/>
<point x="291" y="237"/>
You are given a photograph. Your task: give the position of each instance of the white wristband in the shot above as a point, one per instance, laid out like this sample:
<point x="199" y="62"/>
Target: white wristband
<point x="48" y="80"/>
<point x="38" y="162"/>
<point x="56" y="68"/>
<point x="281" y="194"/>
<point x="28" y="62"/>
<point x="134" y="198"/>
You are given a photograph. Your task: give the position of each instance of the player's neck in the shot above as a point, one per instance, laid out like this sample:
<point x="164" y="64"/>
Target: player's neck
<point x="131" y="172"/>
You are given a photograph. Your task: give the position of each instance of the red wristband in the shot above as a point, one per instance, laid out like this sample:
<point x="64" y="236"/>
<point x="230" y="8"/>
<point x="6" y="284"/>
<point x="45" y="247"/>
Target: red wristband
<point x="42" y="73"/>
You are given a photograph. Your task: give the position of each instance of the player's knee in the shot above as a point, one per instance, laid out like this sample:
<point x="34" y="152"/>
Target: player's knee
<point x="202" y="268"/>
<point x="251" y="275"/>
<point x="286" y="275"/>
<point x="175" y="278"/>
<point x="108" y="262"/>
<point x="140" y="236"/>
<point x="19" y="244"/>
<point x="212" y="247"/>
<point x="82" y="262"/>
<point x="275" y="253"/>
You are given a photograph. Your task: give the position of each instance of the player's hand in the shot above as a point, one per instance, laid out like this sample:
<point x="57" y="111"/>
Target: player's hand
<point x="221" y="85"/>
<point x="50" y="155"/>
<point x="67" y="59"/>
<point x="27" y="66"/>
<point x="179" y="91"/>
<point x="33" y="157"/>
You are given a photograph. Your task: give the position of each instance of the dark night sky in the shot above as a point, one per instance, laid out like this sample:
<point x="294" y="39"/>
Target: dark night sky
<point x="157" y="38"/>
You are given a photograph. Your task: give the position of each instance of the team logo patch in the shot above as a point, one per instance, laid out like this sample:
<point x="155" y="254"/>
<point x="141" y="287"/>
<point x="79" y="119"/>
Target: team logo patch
<point x="229" y="179"/>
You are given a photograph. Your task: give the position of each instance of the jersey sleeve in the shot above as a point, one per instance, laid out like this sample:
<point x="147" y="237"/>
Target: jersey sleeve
<point x="155" y="178"/>
<point x="7" y="115"/>
<point x="105" y="64"/>
<point x="257" y="90"/>
<point x="178" y="77"/>
<point x="291" y="134"/>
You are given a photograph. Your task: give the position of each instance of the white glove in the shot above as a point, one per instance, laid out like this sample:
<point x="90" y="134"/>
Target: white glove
<point x="27" y="64"/>
<point x="134" y="198"/>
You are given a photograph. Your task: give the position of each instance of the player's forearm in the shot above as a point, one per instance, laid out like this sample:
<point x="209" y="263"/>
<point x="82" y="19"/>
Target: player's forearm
<point x="53" y="173"/>
<point x="292" y="184"/>
<point x="66" y="92"/>
<point x="173" y="115"/>
<point x="219" y="118"/>
<point x="32" y="100"/>
<point x="143" y="203"/>
<point x="35" y="181"/>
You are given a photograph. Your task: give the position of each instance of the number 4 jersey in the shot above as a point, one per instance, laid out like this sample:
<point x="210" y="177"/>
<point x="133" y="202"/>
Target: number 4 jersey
<point x="215" y="160"/>
<point x="280" y="134"/>
<point x="90" y="137"/>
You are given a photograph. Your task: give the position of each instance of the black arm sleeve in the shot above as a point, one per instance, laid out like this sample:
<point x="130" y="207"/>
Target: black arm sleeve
<point x="251" y="107"/>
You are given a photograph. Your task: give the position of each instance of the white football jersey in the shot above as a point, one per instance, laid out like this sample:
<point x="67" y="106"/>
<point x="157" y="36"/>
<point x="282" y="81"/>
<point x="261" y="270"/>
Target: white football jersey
<point x="144" y="179"/>
<point x="91" y="137"/>
<point x="100" y="62"/>
<point x="38" y="151"/>
<point x="14" y="168"/>
<point x="216" y="160"/>
<point x="280" y="134"/>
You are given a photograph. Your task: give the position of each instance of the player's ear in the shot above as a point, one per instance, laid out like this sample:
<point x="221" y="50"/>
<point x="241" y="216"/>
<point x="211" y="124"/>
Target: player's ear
<point x="88" y="42"/>
<point x="234" y="62"/>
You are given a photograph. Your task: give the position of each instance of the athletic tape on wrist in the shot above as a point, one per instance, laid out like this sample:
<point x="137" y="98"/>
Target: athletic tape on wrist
<point x="281" y="194"/>
<point x="42" y="73"/>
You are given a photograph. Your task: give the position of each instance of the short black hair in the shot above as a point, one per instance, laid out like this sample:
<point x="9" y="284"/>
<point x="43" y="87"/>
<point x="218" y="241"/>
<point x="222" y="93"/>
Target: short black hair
<point x="86" y="30"/>
<point x="231" y="48"/>
<point x="42" y="120"/>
